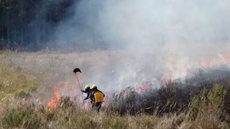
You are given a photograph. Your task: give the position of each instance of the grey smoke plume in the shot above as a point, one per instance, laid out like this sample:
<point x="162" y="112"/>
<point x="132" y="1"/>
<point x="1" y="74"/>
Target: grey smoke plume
<point x="131" y="23"/>
<point x="162" y="36"/>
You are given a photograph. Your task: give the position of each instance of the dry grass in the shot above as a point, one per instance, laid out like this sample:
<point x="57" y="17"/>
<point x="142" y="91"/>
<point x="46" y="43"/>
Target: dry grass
<point x="21" y="72"/>
<point x="13" y="81"/>
<point x="62" y="119"/>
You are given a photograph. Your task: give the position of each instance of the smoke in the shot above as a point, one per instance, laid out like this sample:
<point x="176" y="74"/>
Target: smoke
<point x="147" y="40"/>
<point x="164" y="38"/>
<point x="149" y="24"/>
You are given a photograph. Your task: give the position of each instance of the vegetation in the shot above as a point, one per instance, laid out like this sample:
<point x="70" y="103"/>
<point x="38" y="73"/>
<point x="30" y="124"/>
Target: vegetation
<point x="68" y="115"/>
<point x="194" y="104"/>
<point x="174" y="98"/>
<point x="14" y="81"/>
<point x="25" y="117"/>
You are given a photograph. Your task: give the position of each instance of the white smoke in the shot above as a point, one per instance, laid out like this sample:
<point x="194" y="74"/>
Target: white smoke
<point x="161" y="36"/>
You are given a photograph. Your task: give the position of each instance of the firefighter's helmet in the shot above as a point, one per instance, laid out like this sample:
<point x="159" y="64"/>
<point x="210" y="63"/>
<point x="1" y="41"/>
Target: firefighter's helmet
<point x="94" y="86"/>
<point x="87" y="87"/>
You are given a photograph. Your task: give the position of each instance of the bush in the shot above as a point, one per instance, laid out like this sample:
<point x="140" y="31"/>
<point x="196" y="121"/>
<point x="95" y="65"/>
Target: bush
<point x="208" y="102"/>
<point x="216" y="97"/>
<point x="124" y="102"/>
<point x="25" y="118"/>
<point x="171" y="99"/>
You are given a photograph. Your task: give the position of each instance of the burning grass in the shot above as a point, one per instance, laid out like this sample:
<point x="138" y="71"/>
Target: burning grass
<point x="202" y="101"/>
<point x="206" y="109"/>
<point x="202" y="113"/>
<point x="68" y="115"/>
<point x="173" y="96"/>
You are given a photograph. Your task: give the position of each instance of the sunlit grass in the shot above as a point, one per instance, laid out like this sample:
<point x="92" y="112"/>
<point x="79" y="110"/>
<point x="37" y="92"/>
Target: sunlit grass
<point x="13" y="81"/>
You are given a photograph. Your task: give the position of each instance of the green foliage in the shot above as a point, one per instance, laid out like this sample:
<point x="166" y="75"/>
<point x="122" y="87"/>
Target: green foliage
<point x="216" y="97"/>
<point x="197" y="103"/>
<point x="208" y="101"/>
<point x="25" y="118"/>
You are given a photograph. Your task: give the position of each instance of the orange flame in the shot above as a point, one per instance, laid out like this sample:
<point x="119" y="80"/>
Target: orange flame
<point x="222" y="60"/>
<point x="52" y="104"/>
<point x="168" y="76"/>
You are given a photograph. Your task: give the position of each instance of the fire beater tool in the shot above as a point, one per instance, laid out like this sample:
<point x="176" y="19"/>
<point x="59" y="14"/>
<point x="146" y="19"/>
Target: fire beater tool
<point x="77" y="70"/>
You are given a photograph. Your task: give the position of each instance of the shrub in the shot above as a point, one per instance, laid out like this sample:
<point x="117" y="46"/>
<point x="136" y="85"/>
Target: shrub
<point x="216" y="97"/>
<point x="124" y="102"/>
<point x="172" y="99"/>
<point x="22" y="118"/>
<point x="207" y="102"/>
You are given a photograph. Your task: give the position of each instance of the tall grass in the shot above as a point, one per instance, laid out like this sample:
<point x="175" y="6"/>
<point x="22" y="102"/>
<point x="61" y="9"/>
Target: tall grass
<point x="191" y="105"/>
<point x="13" y="81"/>
<point x="205" y="112"/>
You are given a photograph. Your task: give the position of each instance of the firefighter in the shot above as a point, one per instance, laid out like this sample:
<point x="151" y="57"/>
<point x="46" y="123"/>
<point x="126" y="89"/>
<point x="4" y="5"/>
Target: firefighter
<point x="97" y="97"/>
<point x="87" y="90"/>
